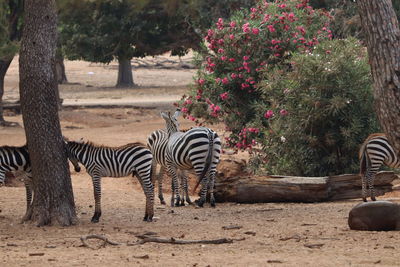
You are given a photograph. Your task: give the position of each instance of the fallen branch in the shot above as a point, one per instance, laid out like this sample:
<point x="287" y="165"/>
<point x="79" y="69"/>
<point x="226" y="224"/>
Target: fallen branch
<point x="146" y="239"/>
<point x="101" y="237"/>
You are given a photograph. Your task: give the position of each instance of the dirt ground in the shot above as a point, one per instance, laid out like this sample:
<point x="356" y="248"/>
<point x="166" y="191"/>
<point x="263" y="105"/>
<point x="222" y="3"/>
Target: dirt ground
<point x="270" y="234"/>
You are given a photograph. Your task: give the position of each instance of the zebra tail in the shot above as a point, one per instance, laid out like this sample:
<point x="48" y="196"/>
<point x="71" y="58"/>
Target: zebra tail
<point x="208" y="159"/>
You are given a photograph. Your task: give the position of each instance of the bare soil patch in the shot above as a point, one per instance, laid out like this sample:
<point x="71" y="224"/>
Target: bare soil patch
<point x="274" y="234"/>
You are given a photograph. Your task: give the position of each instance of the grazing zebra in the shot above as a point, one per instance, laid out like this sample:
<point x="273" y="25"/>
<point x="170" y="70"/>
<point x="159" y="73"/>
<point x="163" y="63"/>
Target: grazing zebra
<point x="16" y="160"/>
<point x="157" y="143"/>
<point x="101" y="161"/>
<point x="198" y="148"/>
<point x="374" y="152"/>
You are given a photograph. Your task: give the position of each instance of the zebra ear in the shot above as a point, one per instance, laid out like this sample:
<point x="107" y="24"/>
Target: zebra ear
<point x="164" y="115"/>
<point x="65" y="139"/>
<point x="177" y="113"/>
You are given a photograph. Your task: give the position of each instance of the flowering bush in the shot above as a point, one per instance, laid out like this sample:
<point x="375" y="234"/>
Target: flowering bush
<point x="322" y="110"/>
<point x="237" y="52"/>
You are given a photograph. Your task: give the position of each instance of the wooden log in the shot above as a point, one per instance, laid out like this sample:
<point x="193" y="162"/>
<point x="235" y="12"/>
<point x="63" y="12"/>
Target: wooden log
<point x="252" y="189"/>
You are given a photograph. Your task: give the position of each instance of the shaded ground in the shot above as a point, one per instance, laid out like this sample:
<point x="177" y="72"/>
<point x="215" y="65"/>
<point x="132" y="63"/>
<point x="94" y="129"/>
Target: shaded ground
<point x="275" y="234"/>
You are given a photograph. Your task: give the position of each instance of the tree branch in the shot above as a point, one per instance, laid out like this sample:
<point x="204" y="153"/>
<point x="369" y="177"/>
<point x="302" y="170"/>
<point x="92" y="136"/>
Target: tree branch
<point x="146" y="239"/>
<point x="101" y="237"/>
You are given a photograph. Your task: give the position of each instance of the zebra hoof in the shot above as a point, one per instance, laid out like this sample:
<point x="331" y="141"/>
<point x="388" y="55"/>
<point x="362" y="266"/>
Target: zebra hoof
<point x="199" y="203"/>
<point x="365" y="199"/>
<point x="373" y="198"/>
<point x="148" y="218"/>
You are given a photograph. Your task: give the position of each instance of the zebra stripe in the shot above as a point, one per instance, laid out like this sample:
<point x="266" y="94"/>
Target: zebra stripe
<point x="157" y="143"/>
<point x="374" y="152"/>
<point x="101" y="161"/>
<point x="198" y="148"/>
<point x="16" y="160"/>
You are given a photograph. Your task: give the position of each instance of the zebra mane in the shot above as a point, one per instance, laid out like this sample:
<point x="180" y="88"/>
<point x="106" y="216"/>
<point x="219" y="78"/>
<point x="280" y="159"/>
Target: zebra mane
<point x="371" y="136"/>
<point x="25" y="146"/>
<point x="91" y="144"/>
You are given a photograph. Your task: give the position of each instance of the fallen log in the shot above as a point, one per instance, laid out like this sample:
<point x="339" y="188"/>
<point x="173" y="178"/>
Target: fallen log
<point x="253" y="189"/>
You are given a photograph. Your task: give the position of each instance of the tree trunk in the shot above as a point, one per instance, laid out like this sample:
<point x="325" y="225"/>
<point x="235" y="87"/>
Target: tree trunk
<point x="382" y="31"/>
<point x="4" y="64"/>
<point x="125" y="78"/>
<point x="53" y="200"/>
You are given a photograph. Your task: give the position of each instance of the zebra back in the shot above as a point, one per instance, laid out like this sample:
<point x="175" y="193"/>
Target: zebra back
<point x="13" y="158"/>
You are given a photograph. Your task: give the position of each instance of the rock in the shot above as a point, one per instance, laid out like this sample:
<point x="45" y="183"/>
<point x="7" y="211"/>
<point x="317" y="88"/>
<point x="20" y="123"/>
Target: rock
<point x="375" y="216"/>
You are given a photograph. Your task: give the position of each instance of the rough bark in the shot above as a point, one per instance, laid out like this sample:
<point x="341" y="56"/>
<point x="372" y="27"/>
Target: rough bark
<point x="125" y="77"/>
<point x="4" y="64"/>
<point x="253" y="189"/>
<point x="382" y="31"/>
<point x="53" y="200"/>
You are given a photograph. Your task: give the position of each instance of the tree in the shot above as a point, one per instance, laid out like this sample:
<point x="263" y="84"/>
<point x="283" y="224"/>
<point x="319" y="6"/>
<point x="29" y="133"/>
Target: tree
<point x="382" y="32"/>
<point x="53" y="197"/>
<point x="104" y="30"/>
<point x="10" y="31"/>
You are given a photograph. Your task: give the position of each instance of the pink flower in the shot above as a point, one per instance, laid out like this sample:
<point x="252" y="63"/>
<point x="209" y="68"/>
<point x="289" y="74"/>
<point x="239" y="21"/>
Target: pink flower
<point x="224" y="96"/>
<point x="184" y="110"/>
<point x="221" y="50"/>
<point x="231" y="60"/>
<point x="232" y="24"/>
<point x="231" y="36"/>
<point x="282" y="6"/>
<point x="190" y="117"/>
<point x="271" y="28"/>
<point x="210" y="33"/>
<point x="225" y="80"/>
<point x="283" y="112"/>
<point x="274" y="42"/>
<point x="234" y="76"/>
<point x="246" y="28"/>
<point x="301" y="29"/>
<point x="201" y="81"/>
<point x="253" y="10"/>
<point x="188" y="102"/>
<point x="246" y="58"/>
<point x="268" y="114"/>
<point x="255" y="31"/>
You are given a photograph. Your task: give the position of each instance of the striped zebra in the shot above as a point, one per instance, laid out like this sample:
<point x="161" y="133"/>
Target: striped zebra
<point x="374" y="152"/>
<point x="100" y="161"/>
<point x="198" y="148"/>
<point x="15" y="159"/>
<point x="157" y="143"/>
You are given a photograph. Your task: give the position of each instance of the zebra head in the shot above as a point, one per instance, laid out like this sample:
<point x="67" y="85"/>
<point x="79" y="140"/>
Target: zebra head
<point x="171" y="121"/>
<point x="72" y="155"/>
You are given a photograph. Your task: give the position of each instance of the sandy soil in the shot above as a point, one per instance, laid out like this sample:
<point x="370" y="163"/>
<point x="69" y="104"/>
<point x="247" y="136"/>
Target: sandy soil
<point x="286" y="234"/>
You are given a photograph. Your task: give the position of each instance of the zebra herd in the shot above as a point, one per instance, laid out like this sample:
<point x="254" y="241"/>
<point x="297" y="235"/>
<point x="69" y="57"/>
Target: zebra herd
<point x="198" y="148"/>
<point x="175" y="151"/>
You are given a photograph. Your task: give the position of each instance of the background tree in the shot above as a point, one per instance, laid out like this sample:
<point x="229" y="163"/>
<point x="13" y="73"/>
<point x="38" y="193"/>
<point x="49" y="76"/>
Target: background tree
<point x="104" y="30"/>
<point x="10" y="31"/>
<point x="53" y="198"/>
<point x="383" y="41"/>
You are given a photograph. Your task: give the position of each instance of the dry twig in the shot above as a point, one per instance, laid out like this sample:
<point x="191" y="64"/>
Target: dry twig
<point x="146" y="239"/>
<point x="101" y="237"/>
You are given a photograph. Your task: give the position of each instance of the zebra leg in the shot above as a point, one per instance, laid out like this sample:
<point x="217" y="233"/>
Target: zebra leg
<point x="148" y="190"/>
<point x="364" y="187"/>
<point x="203" y="193"/>
<point x="175" y="197"/>
<point x="28" y="189"/>
<point x="184" y="179"/>
<point x="211" y="188"/>
<point x="182" y="187"/>
<point x="97" y="198"/>
<point x="160" y="178"/>
<point x="2" y="178"/>
<point x="370" y="175"/>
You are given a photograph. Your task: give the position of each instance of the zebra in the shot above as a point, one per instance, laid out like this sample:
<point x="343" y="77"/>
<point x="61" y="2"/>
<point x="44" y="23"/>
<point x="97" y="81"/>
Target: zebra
<point x="157" y="143"/>
<point x="16" y="159"/>
<point x="100" y="161"/>
<point x="374" y="152"/>
<point x="198" y="148"/>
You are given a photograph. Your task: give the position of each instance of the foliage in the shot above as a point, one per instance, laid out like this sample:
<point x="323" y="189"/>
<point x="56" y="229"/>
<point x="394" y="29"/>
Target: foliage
<point x="10" y="27"/>
<point x="346" y="20"/>
<point x="239" y="50"/>
<point x="323" y="110"/>
<point x="102" y="30"/>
